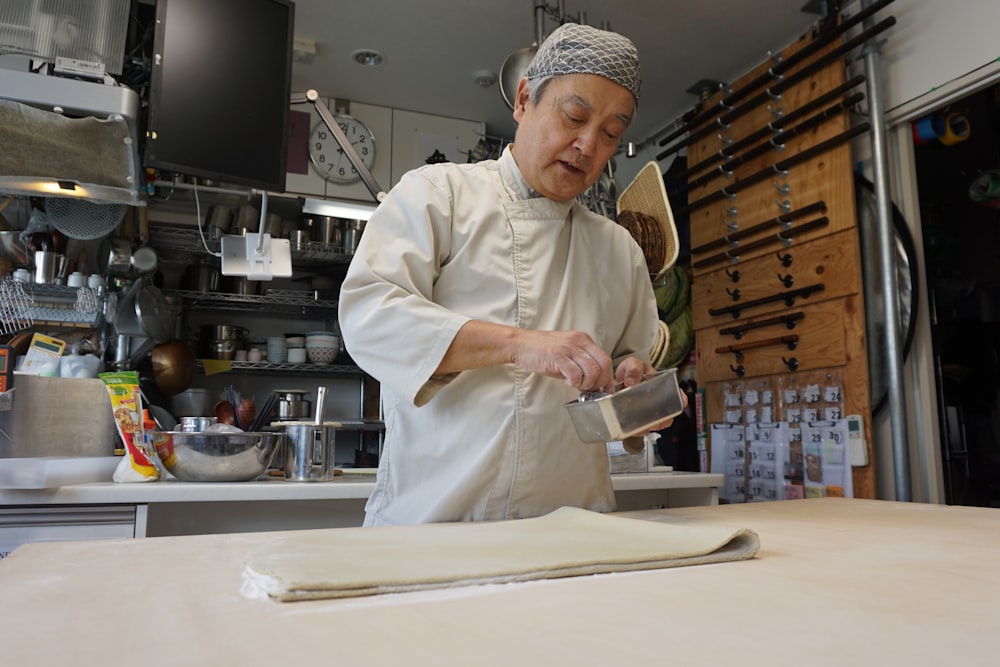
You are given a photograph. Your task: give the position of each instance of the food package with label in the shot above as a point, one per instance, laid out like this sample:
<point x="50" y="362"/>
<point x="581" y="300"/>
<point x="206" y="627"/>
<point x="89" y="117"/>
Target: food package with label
<point x="138" y="464"/>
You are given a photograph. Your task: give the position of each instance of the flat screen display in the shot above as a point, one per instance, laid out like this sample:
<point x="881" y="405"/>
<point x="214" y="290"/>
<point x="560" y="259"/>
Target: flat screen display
<point x="220" y="88"/>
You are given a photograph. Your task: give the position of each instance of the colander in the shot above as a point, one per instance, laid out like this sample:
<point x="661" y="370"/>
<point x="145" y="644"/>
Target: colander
<point x="82" y="219"/>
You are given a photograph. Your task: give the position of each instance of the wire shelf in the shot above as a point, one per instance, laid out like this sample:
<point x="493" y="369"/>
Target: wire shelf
<point x="266" y="368"/>
<point x="275" y="302"/>
<point x="188" y="240"/>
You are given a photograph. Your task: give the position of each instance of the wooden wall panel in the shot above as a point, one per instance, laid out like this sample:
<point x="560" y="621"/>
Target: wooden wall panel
<point x="744" y="221"/>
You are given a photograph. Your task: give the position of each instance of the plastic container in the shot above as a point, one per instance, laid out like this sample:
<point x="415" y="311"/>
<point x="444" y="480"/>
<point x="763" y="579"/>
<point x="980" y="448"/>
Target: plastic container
<point x="47" y="472"/>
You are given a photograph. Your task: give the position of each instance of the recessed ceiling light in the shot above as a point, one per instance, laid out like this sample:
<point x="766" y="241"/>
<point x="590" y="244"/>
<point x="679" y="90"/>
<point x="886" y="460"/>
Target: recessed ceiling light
<point x="368" y="57"/>
<point x="484" y="78"/>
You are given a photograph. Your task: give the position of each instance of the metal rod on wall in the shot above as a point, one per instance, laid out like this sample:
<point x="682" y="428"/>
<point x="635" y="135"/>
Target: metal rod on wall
<point x="887" y="260"/>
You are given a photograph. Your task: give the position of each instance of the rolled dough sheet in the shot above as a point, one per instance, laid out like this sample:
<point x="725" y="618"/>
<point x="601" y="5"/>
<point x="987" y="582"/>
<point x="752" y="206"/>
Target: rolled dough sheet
<point x="352" y="562"/>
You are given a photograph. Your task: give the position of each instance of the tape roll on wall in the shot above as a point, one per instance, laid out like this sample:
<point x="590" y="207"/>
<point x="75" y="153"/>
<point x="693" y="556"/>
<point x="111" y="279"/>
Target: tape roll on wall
<point x="929" y="129"/>
<point x="956" y="129"/>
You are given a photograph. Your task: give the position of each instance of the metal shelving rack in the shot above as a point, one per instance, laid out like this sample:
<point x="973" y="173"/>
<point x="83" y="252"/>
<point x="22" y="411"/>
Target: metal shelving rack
<point x="53" y="306"/>
<point x="276" y="302"/>
<point x="267" y="368"/>
<point x="188" y="240"/>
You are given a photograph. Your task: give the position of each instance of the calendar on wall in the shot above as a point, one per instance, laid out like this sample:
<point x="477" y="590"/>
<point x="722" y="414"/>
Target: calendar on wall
<point x="783" y="437"/>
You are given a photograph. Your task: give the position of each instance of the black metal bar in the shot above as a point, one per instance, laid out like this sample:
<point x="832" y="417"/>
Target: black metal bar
<point x="788" y="320"/>
<point x="767" y="240"/>
<point x="699" y="117"/>
<point x="815" y="207"/>
<point x="783" y="165"/>
<point x="778" y="140"/>
<point x="783" y="85"/>
<point x="776" y="125"/>
<point x="788" y="297"/>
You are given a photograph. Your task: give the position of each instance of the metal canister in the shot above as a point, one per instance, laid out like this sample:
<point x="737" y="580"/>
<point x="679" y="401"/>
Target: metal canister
<point x="352" y="234"/>
<point x="309" y="451"/>
<point x="197" y="424"/>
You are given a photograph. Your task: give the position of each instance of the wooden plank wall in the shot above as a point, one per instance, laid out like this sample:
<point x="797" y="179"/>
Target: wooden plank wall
<point x="752" y="288"/>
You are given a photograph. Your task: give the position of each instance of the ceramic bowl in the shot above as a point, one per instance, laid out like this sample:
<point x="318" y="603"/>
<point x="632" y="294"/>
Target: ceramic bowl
<point x="322" y="354"/>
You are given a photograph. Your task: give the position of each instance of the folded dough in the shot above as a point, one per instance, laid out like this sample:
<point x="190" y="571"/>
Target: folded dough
<point x="350" y="562"/>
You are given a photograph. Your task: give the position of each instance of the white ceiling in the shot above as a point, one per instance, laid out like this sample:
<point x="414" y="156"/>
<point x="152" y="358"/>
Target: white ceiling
<point x="433" y="48"/>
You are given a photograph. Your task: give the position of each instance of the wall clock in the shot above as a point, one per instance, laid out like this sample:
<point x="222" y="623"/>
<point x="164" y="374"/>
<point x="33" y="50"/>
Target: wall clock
<point x="328" y="157"/>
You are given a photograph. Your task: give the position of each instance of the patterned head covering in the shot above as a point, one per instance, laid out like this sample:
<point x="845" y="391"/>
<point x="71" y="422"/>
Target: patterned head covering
<point x="582" y="49"/>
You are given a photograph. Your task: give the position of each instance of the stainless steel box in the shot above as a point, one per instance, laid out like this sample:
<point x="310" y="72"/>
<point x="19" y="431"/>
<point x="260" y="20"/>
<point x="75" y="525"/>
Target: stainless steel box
<point x="628" y="411"/>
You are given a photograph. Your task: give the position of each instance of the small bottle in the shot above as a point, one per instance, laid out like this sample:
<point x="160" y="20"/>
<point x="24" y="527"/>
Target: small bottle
<point x="148" y="429"/>
<point x="158" y="444"/>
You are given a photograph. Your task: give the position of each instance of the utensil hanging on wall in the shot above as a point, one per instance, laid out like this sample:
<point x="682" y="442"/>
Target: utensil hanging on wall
<point x="143" y="311"/>
<point x="514" y="66"/>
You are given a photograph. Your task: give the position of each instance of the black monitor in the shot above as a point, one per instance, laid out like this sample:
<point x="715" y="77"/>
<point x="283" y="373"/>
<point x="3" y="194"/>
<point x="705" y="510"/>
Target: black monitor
<point x="220" y="90"/>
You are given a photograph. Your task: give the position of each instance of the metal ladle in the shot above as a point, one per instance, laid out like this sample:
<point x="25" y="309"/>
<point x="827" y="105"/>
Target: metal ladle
<point x="320" y="404"/>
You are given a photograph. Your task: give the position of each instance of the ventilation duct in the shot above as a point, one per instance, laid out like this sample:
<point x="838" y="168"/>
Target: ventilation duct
<point x="66" y="128"/>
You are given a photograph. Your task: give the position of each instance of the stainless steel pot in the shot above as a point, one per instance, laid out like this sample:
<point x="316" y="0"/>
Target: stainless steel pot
<point x="294" y="409"/>
<point x="143" y="311"/>
<point x="116" y="254"/>
<point x="221" y="341"/>
<point x="292" y="404"/>
<point x="223" y="332"/>
<point x="202" y="278"/>
<point x="325" y="229"/>
<point x="240" y="285"/>
<point x="352" y="234"/>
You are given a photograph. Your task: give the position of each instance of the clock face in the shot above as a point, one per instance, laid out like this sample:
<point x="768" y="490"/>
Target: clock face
<point x="328" y="157"/>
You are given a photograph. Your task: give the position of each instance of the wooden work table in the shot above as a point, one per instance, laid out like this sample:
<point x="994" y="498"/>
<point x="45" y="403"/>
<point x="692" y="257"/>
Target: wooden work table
<point x="836" y="582"/>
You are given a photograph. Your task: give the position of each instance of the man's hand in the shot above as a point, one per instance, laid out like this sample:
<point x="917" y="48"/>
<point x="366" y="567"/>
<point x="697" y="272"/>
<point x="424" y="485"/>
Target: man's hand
<point x="572" y="356"/>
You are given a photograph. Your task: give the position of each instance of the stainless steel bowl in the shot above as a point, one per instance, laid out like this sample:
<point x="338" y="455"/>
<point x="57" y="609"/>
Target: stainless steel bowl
<point x="218" y="457"/>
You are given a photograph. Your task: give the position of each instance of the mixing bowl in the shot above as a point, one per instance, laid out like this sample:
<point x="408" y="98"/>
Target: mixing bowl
<point x="217" y="457"/>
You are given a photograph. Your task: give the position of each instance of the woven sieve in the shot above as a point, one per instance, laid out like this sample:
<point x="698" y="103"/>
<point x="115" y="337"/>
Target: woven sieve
<point x="647" y="194"/>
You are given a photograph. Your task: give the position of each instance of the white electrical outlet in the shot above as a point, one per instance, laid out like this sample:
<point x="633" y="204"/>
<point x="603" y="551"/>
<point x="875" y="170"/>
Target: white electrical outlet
<point x="856" y="440"/>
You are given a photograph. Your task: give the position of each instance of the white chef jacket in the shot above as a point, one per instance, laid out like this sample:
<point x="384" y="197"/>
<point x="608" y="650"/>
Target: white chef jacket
<point x="456" y="242"/>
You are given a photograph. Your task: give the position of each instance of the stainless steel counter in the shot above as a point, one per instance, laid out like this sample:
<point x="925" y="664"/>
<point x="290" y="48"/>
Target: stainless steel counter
<point x="171" y="507"/>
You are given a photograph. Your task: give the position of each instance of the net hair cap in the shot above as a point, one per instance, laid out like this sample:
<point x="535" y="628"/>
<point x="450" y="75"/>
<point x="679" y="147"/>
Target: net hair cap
<point x="582" y="49"/>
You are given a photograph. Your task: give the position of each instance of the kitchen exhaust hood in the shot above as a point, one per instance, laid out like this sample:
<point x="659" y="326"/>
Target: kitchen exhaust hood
<point x="66" y="137"/>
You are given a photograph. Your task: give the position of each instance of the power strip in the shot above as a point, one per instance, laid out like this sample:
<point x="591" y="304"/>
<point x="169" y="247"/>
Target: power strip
<point x="82" y="68"/>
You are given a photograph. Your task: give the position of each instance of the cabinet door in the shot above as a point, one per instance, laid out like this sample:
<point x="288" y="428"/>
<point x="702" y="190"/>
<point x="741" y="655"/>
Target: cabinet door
<point x="21" y="525"/>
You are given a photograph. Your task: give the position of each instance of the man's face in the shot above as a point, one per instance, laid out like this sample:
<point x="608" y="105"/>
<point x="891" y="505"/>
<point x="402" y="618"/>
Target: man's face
<point x="563" y="143"/>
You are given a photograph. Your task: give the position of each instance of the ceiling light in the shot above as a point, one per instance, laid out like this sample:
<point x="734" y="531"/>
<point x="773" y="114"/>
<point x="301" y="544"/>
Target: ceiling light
<point x="368" y="57"/>
<point x="484" y="78"/>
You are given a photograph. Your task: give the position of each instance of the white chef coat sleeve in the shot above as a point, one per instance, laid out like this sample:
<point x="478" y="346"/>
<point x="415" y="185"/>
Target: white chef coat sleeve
<point x="643" y="319"/>
<point x="390" y="326"/>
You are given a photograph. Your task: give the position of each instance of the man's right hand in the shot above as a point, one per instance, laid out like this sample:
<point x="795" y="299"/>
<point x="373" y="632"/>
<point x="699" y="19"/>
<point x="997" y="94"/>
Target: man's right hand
<point x="571" y="356"/>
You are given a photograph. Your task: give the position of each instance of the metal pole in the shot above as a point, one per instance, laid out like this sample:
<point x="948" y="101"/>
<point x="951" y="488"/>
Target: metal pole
<point x="887" y="261"/>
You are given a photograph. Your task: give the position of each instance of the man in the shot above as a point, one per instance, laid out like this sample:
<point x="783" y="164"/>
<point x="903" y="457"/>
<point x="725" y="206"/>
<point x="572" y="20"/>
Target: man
<point x="483" y="297"/>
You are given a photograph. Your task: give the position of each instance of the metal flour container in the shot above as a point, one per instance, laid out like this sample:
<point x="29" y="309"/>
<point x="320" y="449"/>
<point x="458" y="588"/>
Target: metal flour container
<point x="309" y="451"/>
